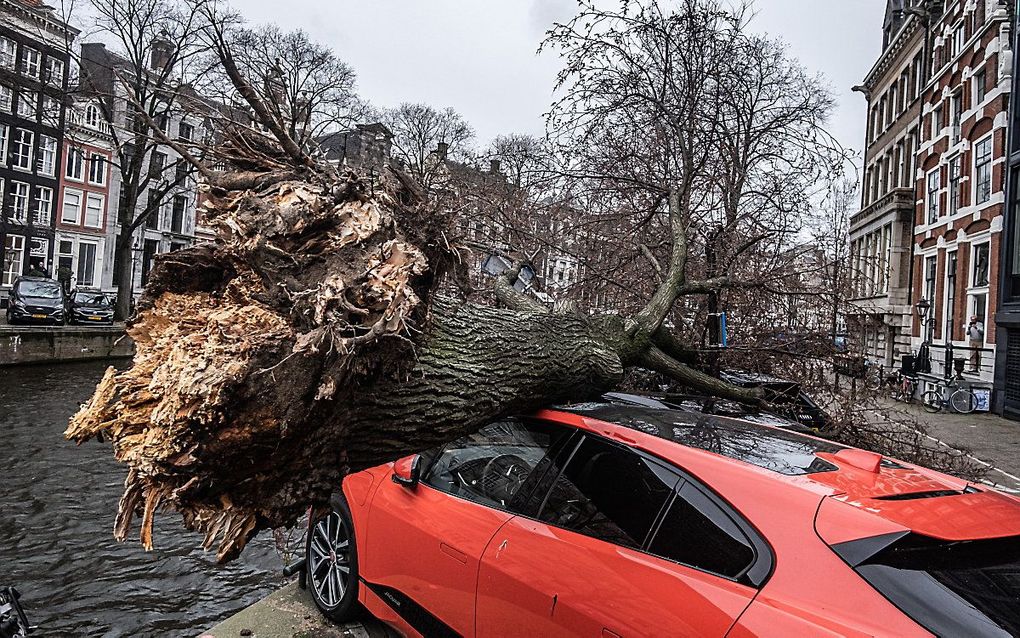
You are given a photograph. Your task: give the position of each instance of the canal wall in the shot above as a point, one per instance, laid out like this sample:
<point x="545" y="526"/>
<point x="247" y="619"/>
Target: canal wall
<point x="29" y="344"/>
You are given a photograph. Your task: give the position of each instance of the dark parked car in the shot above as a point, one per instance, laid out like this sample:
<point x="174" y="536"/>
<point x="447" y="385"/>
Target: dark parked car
<point x="37" y="300"/>
<point x="90" y="306"/>
<point x="783" y="393"/>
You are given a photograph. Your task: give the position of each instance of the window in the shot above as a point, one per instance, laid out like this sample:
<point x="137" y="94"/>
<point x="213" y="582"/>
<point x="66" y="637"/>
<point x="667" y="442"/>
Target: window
<point x="22" y="157"/>
<point x="177" y="218"/>
<point x="70" y="213"/>
<point x="46" y="162"/>
<point x="43" y="206"/>
<point x="980" y="90"/>
<point x="954" y="185"/>
<point x="97" y="169"/>
<point x="983" y="170"/>
<point x="92" y="116"/>
<point x="94" y="210"/>
<point x="8" y="53"/>
<point x="5" y="133"/>
<point x="6" y="98"/>
<point x="14" y="258"/>
<point x="153" y="206"/>
<point x="699" y="533"/>
<point x="157" y="162"/>
<point x="609" y="493"/>
<point x="19" y="201"/>
<point x="933" y="196"/>
<point x="186" y="132"/>
<point x="950" y="315"/>
<point x="30" y="62"/>
<point x="65" y="255"/>
<point x="958" y="38"/>
<point x="75" y="168"/>
<point x="936" y="122"/>
<point x="492" y="466"/>
<point x="55" y="71"/>
<point x="86" y="264"/>
<point x="979" y="265"/>
<point x="39" y="252"/>
<point x="181" y="172"/>
<point x="28" y="104"/>
<point x="51" y="111"/>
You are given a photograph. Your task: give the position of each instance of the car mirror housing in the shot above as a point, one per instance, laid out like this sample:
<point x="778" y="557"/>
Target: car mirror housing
<point x="407" y="471"/>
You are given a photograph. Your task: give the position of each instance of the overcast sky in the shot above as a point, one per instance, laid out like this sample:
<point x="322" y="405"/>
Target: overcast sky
<point x="478" y="56"/>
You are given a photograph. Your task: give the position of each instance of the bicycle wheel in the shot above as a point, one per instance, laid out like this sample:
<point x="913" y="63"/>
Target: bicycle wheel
<point x="963" y="401"/>
<point x="932" y="400"/>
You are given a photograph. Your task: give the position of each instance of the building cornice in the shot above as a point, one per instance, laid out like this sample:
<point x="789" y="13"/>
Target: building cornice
<point x="910" y="27"/>
<point x="41" y="16"/>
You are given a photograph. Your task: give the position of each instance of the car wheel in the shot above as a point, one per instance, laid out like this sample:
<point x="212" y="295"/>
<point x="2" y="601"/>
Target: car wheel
<point x="331" y="557"/>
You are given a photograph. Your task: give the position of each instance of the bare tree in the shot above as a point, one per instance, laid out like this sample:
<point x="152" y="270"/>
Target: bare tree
<point x="424" y="137"/>
<point x="141" y="83"/>
<point x="321" y="334"/>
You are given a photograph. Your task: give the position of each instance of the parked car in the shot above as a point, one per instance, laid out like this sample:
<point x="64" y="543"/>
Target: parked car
<point x="37" y="300"/>
<point x="89" y="306"/>
<point x="783" y="393"/>
<point x="614" y="519"/>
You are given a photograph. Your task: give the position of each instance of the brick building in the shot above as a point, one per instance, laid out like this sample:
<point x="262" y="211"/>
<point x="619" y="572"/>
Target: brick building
<point x="85" y="227"/>
<point x="34" y="64"/>
<point x="958" y="217"/>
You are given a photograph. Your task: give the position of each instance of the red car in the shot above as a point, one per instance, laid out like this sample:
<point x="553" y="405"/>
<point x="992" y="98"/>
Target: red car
<point x="614" y="519"/>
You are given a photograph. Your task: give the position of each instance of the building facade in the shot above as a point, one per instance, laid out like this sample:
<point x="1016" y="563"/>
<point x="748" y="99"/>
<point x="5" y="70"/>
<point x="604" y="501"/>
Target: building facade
<point x="34" y="63"/>
<point x="879" y="322"/>
<point x="84" y="223"/>
<point x="958" y="219"/>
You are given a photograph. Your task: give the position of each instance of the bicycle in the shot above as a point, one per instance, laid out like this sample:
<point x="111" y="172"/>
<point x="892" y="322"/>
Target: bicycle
<point x="948" y="394"/>
<point x="903" y="387"/>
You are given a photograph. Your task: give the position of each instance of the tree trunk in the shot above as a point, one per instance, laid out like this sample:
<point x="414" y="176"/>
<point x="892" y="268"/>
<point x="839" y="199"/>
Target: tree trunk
<point x="122" y="277"/>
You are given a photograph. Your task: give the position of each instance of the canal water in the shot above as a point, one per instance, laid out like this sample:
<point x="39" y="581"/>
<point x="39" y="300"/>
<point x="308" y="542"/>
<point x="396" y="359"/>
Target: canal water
<point x="57" y="505"/>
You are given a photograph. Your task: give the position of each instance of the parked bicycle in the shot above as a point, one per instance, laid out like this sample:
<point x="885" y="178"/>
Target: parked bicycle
<point x="904" y="387"/>
<point x="949" y="394"/>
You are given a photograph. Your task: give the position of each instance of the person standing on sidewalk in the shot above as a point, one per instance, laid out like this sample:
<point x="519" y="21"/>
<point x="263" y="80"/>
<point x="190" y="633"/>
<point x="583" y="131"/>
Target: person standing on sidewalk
<point x="976" y="334"/>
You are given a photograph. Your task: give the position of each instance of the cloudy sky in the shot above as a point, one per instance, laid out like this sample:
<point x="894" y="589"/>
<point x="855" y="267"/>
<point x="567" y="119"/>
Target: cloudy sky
<point x="478" y="56"/>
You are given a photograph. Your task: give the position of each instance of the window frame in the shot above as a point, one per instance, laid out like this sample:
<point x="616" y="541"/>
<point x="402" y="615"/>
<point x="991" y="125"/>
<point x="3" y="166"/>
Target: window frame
<point x="73" y="151"/>
<point x="27" y="63"/>
<point x="27" y="168"/>
<point x="17" y="268"/>
<point x="932" y="195"/>
<point x="16" y="197"/>
<point x="8" y="102"/>
<point x="45" y="216"/>
<point x="8" y="56"/>
<point x="93" y="156"/>
<point x="983" y="162"/>
<point x="46" y="148"/>
<point x="30" y="99"/>
<point x="78" y="209"/>
<point x="85" y="209"/>
<point x="52" y="62"/>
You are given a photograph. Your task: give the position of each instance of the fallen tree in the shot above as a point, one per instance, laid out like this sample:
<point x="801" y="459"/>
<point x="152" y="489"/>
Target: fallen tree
<point x="326" y="330"/>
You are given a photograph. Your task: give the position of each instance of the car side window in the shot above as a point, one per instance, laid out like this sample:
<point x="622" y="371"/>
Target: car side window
<point x="697" y="532"/>
<point x="492" y="466"/>
<point x="608" y="492"/>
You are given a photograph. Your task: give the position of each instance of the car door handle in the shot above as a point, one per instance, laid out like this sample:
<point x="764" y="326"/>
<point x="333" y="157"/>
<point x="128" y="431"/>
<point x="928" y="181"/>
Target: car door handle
<point x="453" y="552"/>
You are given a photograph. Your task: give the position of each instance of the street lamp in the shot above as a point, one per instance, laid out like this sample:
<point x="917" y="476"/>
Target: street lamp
<point x="923" y="309"/>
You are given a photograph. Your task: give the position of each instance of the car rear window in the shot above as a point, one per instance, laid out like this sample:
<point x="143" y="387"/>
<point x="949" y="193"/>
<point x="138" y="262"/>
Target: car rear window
<point x="966" y="588"/>
<point x="767" y="447"/>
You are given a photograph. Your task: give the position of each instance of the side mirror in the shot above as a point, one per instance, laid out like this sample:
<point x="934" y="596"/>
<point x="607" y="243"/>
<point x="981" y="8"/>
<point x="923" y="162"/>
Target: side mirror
<point x="407" y="471"/>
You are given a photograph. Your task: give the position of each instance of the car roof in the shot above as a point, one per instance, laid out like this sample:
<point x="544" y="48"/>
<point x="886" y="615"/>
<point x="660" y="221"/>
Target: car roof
<point x="736" y="454"/>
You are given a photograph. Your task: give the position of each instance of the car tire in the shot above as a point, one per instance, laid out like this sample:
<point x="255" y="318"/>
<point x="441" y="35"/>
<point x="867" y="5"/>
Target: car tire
<point x="329" y="550"/>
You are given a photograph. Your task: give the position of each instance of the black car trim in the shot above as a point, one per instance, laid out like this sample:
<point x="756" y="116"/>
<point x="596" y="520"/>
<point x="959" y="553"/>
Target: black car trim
<point x="413" y="613"/>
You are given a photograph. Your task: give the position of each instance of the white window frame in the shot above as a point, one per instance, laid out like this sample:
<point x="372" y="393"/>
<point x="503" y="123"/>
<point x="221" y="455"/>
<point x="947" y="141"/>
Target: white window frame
<point x="78" y="209"/>
<point x="8" y="53"/>
<point x="931" y="196"/>
<point x="90" y="197"/>
<point x="92" y="115"/>
<point x="980" y="92"/>
<point x="47" y="156"/>
<point x="51" y="111"/>
<point x="13" y="270"/>
<point x="27" y="167"/>
<point x="21" y="197"/>
<point x="28" y="105"/>
<point x="972" y="278"/>
<point x="5" y="136"/>
<point x="43" y="206"/>
<point x="43" y="250"/>
<point x="31" y="62"/>
<point x="73" y="151"/>
<point x="103" y="162"/>
<point x="96" y="262"/>
<point x="53" y="64"/>
<point x="977" y="177"/>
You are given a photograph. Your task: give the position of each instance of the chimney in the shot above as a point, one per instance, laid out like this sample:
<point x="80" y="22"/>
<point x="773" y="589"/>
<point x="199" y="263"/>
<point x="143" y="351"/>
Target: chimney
<point x="494" y="166"/>
<point x="162" y="50"/>
<point x="442" y="149"/>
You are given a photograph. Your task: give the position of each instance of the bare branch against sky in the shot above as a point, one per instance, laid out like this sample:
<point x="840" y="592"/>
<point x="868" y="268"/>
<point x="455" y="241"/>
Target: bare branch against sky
<point x="479" y="57"/>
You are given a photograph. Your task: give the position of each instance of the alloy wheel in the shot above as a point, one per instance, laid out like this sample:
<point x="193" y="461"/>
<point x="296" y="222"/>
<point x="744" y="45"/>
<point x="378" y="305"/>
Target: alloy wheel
<point x="329" y="558"/>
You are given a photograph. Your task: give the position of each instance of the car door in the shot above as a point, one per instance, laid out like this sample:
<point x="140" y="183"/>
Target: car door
<point x="423" y="543"/>
<point x="603" y="555"/>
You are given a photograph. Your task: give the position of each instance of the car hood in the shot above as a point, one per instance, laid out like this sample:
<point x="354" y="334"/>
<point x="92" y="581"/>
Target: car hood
<point x="39" y="301"/>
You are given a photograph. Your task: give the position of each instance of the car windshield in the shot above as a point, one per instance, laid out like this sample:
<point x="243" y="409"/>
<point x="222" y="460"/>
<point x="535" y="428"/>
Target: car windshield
<point x="90" y="299"/>
<point x="967" y="588"/>
<point x="42" y="289"/>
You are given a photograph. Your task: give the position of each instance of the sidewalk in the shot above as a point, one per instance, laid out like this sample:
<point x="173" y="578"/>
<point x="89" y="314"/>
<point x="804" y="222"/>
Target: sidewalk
<point x="290" y="613"/>
<point x="991" y="439"/>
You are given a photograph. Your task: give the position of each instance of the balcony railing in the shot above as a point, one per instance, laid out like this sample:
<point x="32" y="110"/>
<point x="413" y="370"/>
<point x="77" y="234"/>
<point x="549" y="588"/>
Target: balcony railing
<point x="77" y="118"/>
